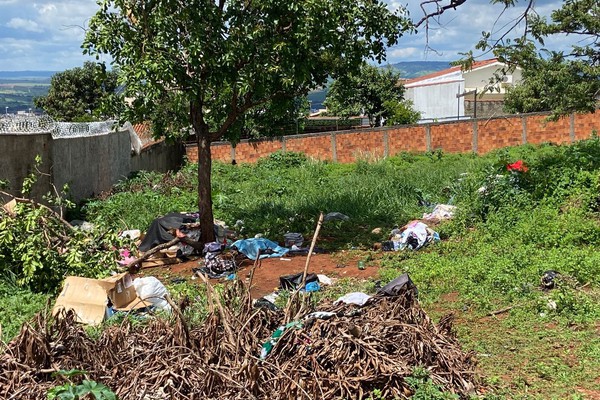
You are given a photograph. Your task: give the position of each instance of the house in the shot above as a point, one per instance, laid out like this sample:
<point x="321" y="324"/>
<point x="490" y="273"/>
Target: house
<point x="456" y="94"/>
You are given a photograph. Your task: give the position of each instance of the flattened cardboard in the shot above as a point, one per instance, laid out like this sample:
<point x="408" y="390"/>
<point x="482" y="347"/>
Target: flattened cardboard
<point x="10" y="207"/>
<point x="88" y="297"/>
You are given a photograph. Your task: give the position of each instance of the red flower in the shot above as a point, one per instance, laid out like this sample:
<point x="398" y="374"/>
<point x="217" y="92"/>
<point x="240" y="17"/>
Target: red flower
<point x="517" y="166"/>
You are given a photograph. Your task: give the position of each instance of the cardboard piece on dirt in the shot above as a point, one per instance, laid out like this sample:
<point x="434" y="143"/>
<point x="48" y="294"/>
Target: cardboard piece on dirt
<point x="10" y="207"/>
<point x="88" y="297"/>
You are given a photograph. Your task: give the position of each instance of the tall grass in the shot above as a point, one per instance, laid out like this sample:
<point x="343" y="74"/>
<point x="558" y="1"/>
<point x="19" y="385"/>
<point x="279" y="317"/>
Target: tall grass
<point x="286" y="192"/>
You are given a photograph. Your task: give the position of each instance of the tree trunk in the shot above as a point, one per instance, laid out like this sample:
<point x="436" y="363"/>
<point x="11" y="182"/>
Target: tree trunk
<point x="204" y="174"/>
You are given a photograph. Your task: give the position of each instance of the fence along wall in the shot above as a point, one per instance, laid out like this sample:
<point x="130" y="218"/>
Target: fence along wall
<point x="90" y="159"/>
<point x="476" y="135"/>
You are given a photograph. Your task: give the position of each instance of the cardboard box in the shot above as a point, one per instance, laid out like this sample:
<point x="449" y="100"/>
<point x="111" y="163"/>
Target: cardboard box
<point x="89" y="297"/>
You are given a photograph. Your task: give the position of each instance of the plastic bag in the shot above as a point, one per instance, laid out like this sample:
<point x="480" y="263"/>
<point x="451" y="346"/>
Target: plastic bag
<point x="153" y="291"/>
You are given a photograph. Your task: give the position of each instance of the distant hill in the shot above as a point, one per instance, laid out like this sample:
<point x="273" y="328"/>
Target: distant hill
<point x="26" y="75"/>
<point x="415" y="69"/>
<point x="407" y="70"/>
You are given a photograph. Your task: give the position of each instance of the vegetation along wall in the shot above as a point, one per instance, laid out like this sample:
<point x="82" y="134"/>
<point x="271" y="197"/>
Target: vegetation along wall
<point x="477" y="135"/>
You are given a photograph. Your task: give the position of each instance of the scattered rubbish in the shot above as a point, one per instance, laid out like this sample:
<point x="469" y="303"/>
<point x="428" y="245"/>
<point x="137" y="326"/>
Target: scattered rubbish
<point x="159" y="230"/>
<point x="415" y="235"/>
<point x="548" y="278"/>
<point x="312" y="287"/>
<point x="320" y="315"/>
<point x="216" y="265"/>
<point x="335" y="216"/>
<point x="178" y="280"/>
<point x="126" y="257"/>
<point x="325" y="280"/>
<point x="92" y="299"/>
<point x="376" y="231"/>
<point x="285" y="259"/>
<point x="151" y="290"/>
<point x="264" y="303"/>
<point x="251" y="247"/>
<point x="362" y="265"/>
<point x="291" y="282"/>
<point x="230" y="277"/>
<point x="441" y="212"/>
<point x="358" y="298"/>
<point x="399" y="286"/>
<point x="132" y="234"/>
<point x="293" y="239"/>
<point x="268" y="346"/>
<point x="83" y="225"/>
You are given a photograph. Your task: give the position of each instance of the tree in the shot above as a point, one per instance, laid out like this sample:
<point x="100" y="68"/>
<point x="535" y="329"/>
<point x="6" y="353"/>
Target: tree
<point x="555" y="84"/>
<point x="563" y="82"/>
<point x="76" y="94"/>
<point x="207" y="63"/>
<point x="400" y="113"/>
<point x="371" y="91"/>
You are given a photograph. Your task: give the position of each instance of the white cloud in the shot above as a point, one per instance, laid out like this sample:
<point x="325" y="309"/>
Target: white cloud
<point x="404" y="52"/>
<point x="25" y="24"/>
<point x="45" y="8"/>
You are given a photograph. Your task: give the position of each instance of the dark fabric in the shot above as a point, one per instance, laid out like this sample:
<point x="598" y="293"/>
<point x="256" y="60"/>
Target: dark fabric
<point x="290" y="282"/>
<point x="158" y="232"/>
<point x="398" y="286"/>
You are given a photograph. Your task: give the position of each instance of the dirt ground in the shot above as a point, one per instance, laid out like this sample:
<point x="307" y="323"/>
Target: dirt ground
<point x="268" y="271"/>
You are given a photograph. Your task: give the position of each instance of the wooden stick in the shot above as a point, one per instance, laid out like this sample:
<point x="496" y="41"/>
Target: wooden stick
<point x="312" y="247"/>
<point x="500" y="311"/>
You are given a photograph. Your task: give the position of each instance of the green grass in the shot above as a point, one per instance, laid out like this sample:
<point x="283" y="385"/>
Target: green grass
<point x="18" y="305"/>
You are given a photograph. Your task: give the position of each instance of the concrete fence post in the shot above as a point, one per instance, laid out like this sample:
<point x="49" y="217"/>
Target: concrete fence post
<point x="333" y="147"/>
<point x="572" y="127"/>
<point x="524" y="133"/>
<point x="232" y="152"/>
<point x="283" y="145"/>
<point x="475" y="141"/>
<point x="428" y="137"/>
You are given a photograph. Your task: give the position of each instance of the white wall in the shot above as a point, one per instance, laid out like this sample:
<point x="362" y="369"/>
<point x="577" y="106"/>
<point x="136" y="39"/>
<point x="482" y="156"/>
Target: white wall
<point x="479" y="78"/>
<point x="437" y="101"/>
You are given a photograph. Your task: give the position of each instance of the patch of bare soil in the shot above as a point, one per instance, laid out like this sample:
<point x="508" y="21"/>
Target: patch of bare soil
<point x="268" y="271"/>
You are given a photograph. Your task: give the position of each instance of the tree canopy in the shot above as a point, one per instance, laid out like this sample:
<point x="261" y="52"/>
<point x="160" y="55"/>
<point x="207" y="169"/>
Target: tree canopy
<point x="77" y="94"/>
<point x="205" y="64"/>
<point x="371" y="91"/>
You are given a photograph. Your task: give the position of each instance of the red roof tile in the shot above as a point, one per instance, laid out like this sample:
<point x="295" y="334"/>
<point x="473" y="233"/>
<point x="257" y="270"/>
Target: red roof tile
<point x="476" y="64"/>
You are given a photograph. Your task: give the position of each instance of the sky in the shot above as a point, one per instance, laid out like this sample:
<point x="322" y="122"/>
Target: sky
<point x="47" y="34"/>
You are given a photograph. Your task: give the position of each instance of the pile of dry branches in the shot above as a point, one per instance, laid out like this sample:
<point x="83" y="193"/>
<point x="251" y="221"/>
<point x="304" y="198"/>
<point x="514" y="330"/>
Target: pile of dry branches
<point x="346" y="356"/>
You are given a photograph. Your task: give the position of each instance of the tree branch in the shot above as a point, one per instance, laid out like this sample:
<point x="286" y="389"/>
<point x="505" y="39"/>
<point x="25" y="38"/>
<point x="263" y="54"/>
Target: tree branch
<point x="39" y="205"/>
<point x="440" y="9"/>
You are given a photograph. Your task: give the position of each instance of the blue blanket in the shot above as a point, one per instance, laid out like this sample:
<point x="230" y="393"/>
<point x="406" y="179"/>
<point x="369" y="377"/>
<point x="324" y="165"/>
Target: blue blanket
<point x="268" y="248"/>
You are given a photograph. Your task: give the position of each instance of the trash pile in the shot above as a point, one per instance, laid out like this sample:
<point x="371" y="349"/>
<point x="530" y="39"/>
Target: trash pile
<point x="413" y="236"/>
<point x="334" y="351"/>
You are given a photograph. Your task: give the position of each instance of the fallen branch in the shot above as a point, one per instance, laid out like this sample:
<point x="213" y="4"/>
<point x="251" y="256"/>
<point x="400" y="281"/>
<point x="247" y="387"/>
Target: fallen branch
<point x="39" y="205"/>
<point x="150" y="252"/>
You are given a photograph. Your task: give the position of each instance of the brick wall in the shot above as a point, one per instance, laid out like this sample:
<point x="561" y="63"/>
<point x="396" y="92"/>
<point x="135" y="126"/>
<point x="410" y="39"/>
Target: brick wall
<point x="481" y="135"/>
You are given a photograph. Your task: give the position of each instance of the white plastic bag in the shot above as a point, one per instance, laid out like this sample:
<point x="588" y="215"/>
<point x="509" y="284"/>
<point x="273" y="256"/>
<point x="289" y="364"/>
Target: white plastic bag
<point x="153" y="291"/>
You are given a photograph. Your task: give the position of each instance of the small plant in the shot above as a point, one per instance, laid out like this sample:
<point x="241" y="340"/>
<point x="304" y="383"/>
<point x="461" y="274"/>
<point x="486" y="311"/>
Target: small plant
<point x="85" y="389"/>
<point x="425" y="389"/>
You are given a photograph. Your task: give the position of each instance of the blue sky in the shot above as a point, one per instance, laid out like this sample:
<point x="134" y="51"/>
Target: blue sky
<point x="47" y="34"/>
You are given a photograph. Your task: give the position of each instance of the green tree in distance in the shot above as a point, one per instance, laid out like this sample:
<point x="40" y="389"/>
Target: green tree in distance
<point x="75" y="95"/>
<point x="206" y="63"/>
<point x="372" y="91"/>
